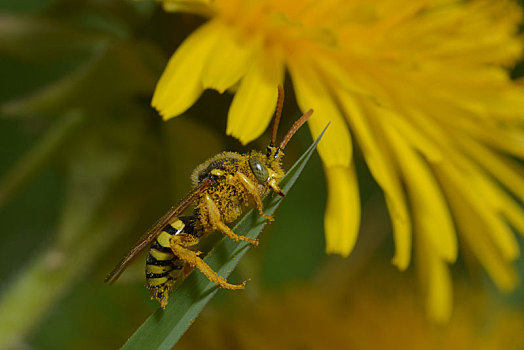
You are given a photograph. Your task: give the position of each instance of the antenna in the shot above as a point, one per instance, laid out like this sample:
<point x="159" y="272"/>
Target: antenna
<point x="295" y="127"/>
<point x="278" y="113"/>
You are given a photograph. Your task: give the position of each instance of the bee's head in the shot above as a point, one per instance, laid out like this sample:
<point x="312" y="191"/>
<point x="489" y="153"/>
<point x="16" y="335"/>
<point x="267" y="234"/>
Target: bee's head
<point x="267" y="172"/>
<point x="271" y="172"/>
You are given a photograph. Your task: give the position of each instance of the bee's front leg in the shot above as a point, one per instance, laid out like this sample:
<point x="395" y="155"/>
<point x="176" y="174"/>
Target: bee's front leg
<point x="216" y="220"/>
<point x="179" y="245"/>
<point x="250" y="187"/>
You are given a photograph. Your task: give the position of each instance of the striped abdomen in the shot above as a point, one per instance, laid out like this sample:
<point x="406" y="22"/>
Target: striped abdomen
<point x="162" y="267"/>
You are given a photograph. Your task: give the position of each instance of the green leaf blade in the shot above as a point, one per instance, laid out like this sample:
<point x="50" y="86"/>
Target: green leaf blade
<point x="165" y="327"/>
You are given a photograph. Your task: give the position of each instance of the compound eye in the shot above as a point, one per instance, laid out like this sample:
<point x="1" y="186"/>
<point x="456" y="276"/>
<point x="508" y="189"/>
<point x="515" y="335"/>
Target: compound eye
<point x="259" y="169"/>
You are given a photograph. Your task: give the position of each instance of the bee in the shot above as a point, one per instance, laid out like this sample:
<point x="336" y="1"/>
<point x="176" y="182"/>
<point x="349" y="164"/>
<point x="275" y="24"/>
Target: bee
<point x="223" y="186"/>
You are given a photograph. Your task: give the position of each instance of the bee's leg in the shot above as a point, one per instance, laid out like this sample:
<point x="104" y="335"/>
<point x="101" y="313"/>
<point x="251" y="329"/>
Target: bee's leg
<point x="252" y="190"/>
<point x="179" y="245"/>
<point x="186" y="270"/>
<point x="216" y="221"/>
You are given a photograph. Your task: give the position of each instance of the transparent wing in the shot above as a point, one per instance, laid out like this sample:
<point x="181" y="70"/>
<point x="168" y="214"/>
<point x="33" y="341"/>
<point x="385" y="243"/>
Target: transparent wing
<point x="153" y="232"/>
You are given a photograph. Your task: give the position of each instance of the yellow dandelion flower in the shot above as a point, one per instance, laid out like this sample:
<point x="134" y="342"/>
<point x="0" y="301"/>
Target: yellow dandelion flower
<point x="420" y="86"/>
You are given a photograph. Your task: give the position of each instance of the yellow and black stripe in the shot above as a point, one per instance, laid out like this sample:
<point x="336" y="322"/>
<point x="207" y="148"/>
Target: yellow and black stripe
<point x="162" y="267"/>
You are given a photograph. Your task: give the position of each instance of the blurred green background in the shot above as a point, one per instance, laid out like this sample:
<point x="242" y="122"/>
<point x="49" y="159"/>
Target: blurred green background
<point x="87" y="165"/>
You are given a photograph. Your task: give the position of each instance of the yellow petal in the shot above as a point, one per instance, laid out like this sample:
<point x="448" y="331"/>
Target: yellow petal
<point x="227" y="62"/>
<point x="335" y="148"/>
<point x="501" y="233"/>
<point x="417" y="138"/>
<point x="481" y="194"/>
<point x="440" y="292"/>
<point x="477" y="237"/>
<point x="508" y="138"/>
<point x="255" y="99"/>
<point x="180" y="86"/>
<point x="342" y="217"/>
<point x="436" y="280"/>
<point x="431" y="214"/>
<point x="337" y="68"/>
<point x="513" y="212"/>
<point x="507" y="171"/>
<point x="378" y="158"/>
<point x="502" y="204"/>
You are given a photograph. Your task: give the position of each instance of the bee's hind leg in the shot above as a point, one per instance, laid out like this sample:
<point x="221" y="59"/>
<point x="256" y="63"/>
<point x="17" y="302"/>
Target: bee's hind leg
<point x="216" y="221"/>
<point x="179" y="245"/>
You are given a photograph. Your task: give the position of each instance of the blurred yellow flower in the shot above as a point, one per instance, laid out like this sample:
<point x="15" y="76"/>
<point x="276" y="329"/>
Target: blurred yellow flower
<point x="423" y="88"/>
<point x="367" y="314"/>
